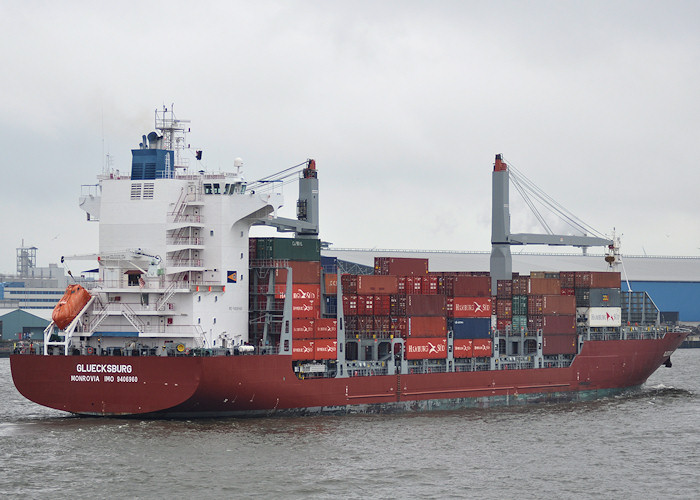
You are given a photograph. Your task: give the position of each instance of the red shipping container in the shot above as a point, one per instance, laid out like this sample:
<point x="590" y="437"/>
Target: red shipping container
<point x="427" y="348"/>
<point x="427" y="326"/>
<point x="376" y="285"/>
<point x="582" y="279"/>
<point x="471" y="307"/>
<point x="365" y="305"/>
<point x="302" y="349"/>
<point x="326" y="328"/>
<point x="504" y="308"/>
<point x="397" y="305"/>
<point x="605" y="279"/>
<point x="400" y="266"/>
<point x="306" y="309"/>
<point x="349" y="283"/>
<point x="544" y="286"/>
<point x="401" y="284"/>
<point x="504" y="289"/>
<point x="482" y="348"/>
<point x="349" y="305"/>
<point x="331" y="282"/>
<point x="568" y="291"/>
<point x="425" y="305"/>
<point x="558" y="304"/>
<point x="306" y="292"/>
<point x="382" y="305"/>
<point x="450" y="307"/>
<point x="302" y="272"/>
<point x="502" y="324"/>
<point x="463" y="348"/>
<point x="470" y="286"/>
<point x="564" y="324"/>
<point x="429" y="285"/>
<point x="521" y="285"/>
<point x="567" y="279"/>
<point x="414" y="285"/>
<point x="559" y="344"/>
<point x="326" y="349"/>
<point x="303" y="328"/>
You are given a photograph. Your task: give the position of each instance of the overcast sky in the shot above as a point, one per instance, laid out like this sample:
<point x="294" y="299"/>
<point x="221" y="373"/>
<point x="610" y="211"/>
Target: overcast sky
<point x="402" y="104"/>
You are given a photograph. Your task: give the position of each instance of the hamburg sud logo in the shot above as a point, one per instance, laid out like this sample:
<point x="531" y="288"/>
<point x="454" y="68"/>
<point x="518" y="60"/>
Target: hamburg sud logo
<point x="475" y="307"/>
<point x="303" y="294"/>
<point x="427" y="348"/>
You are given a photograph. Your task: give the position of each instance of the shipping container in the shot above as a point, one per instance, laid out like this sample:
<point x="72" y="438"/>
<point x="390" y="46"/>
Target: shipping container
<point x="427" y="326"/>
<point x="482" y="348"/>
<point x="604" y="317"/>
<point x="326" y="328"/>
<point x="325" y="349"/>
<point x="504" y="308"/>
<point x="429" y="285"/>
<point x="303" y="329"/>
<point x="519" y="305"/>
<point x="365" y="305"/>
<point x="400" y="266"/>
<point x="413" y="285"/>
<point x="568" y="291"/>
<point x="567" y="279"/>
<point x="521" y="285"/>
<point x="472" y="328"/>
<point x="544" y="286"/>
<point x="604" y="297"/>
<point x="425" y="305"/>
<point x="426" y="348"/>
<point x="371" y="284"/>
<point x="463" y="348"/>
<point x="518" y="323"/>
<point x="349" y="283"/>
<point x="349" y="305"/>
<point x="468" y="286"/>
<point x="331" y="304"/>
<point x="382" y="305"/>
<point x="583" y="297"/>
<point x="548" y="305"/>
<point x="302" y="349"/>
<point x="329" y="264"/>
<point x="397" y="305"/>
<point x="305" y="292"/>
<point x="605" y="279"/>
<point x="331" y="283"/>
<point x="559" y="344"/>
<point x="503" y="325"/>
<point x="302" y="272"/>
<point x="582" y="279"/>
<point x="288" y="249"/>
<point x="504" y="289"/>
<point x="565" y="323"/>
<point x="306" y="309"/>
<point x="470" y="307"/>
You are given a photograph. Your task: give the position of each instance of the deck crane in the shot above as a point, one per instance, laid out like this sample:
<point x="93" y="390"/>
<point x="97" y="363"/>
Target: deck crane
<point x="502" y="239"/>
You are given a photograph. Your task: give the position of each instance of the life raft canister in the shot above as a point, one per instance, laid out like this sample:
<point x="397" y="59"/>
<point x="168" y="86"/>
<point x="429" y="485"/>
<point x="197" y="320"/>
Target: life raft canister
<point x="70" y="305"/>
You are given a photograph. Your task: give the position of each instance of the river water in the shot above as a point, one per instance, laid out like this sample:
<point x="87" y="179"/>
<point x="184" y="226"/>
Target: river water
<point x="641" y="445"/>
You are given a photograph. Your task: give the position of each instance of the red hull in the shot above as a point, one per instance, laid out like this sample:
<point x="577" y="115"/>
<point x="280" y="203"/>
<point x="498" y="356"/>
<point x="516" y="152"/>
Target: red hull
<point x="251" y="385"/>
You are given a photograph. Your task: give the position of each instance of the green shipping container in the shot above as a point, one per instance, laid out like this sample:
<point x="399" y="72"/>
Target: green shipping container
<point x="519" y="323"/>
<point x="519" y="305"/>
<point x="288" y="249"/>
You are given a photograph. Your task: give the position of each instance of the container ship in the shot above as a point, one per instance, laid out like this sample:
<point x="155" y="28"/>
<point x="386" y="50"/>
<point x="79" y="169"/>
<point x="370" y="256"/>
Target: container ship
<point x="190" y="316"/>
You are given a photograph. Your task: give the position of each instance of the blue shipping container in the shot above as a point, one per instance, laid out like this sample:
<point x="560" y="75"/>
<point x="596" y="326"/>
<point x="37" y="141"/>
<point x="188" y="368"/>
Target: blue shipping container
<point x="472" y="328"/>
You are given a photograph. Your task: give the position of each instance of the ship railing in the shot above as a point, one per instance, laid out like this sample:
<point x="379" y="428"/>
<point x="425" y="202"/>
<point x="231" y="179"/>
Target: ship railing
<point x="515" y="363"/>
<point x="366" y="368"/>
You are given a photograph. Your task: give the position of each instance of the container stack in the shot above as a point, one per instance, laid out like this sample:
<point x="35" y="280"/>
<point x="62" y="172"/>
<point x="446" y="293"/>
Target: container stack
<point x="313" y="337"/>
<point x="598" y="299"/>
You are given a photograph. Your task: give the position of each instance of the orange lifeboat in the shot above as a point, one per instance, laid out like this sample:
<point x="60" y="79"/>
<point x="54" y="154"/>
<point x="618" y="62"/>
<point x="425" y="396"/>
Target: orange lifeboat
<point x="70" y="305"/>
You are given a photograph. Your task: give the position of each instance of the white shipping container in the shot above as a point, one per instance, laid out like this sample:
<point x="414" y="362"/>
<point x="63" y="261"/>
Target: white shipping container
<point x="604" y="316"/>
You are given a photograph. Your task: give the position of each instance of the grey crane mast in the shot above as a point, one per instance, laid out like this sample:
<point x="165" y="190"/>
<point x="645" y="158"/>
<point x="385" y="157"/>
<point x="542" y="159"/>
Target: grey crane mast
<point x="502" y="239"/>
